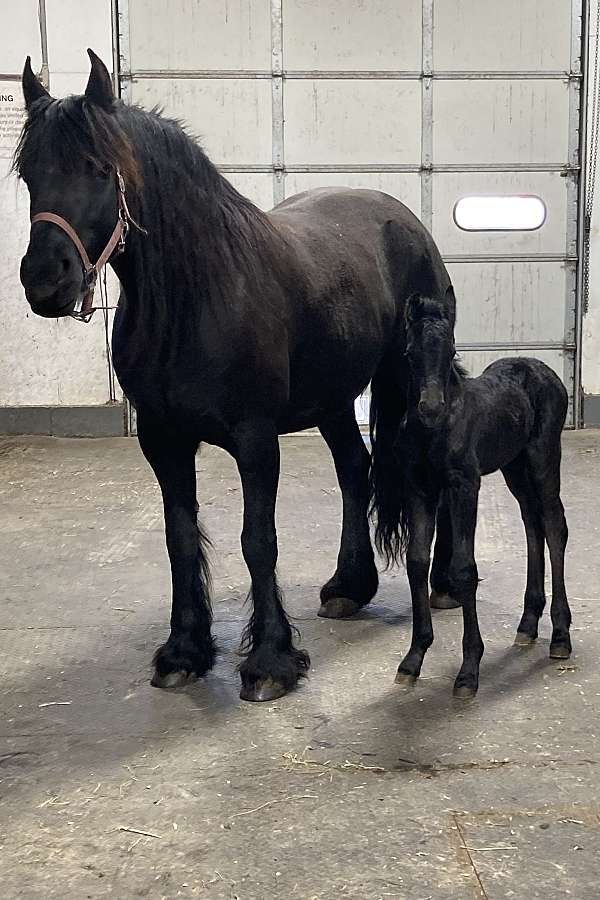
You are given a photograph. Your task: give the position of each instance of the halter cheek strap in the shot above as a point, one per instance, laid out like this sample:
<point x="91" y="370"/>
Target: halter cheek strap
<point x="115" y="245"/>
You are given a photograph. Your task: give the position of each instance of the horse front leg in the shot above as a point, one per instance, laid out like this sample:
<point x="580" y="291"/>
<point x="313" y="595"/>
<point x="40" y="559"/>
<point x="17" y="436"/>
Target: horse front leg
<point x="463" y="497"/>
<point x="421" y="523"/>
<point x="440" y="597"/>
<point x="355" y="580"/>
<point x="273" y="665"/>
<point x="189" y="650"/>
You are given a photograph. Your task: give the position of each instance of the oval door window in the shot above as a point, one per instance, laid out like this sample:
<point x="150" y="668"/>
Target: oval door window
<point x="515" y="212"/>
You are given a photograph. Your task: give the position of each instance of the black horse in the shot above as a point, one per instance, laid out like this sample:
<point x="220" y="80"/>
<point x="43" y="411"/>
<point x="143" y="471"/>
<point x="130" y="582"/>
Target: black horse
<point x="233" y="326"/>
<point x="456" y="430"/>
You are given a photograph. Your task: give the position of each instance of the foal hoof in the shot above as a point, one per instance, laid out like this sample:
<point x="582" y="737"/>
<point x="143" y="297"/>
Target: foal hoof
<point x="560" y="651"/>
<point x="405" y="679"/>
<point x="522" y="639"/>
<point x="172" y="679"/>
<point x="263" y="691"/>
<point x="464" y="692"/>
<point x="339" y="608"/>
<point x="443" y="601"/>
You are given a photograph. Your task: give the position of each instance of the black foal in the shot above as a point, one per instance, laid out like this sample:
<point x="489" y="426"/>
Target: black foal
<point x="456" y="430"/>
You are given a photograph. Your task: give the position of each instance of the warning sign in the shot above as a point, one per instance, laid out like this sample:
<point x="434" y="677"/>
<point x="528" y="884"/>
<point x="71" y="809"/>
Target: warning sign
<point x="12" y="116"/>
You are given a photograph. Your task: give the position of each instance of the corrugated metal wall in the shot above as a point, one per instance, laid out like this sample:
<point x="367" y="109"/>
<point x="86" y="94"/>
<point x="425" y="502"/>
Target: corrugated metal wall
<point x="429" y="102"/>
<point x="425" y="100"/>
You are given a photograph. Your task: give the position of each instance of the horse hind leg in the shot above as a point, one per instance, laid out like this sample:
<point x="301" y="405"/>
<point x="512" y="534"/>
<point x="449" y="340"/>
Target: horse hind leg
<point x="355" y="580"/>
<point x="545" y="466"/>
<point x="522" y="486"/>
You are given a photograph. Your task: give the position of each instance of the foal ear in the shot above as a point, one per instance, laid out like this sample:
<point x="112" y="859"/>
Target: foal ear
<point x="33" y="88"/>
<point x="450" y="304"/>
<point x="99" y="87"/>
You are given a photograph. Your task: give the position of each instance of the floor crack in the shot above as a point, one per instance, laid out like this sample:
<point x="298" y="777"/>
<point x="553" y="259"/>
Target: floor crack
<point x="464" y="847"/>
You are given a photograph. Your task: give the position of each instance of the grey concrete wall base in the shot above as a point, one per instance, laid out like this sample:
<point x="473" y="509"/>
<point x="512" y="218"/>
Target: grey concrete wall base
<point x="591" y="410"/>
<point x="64" y="421"/>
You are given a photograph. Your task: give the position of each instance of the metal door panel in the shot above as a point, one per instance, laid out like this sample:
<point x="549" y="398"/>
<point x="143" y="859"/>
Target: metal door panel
<point x="294" y="94"/>
<point x="66" y="45"/>
<point x="519" y="35"/>
<point x="497" y="121"/>
<point x="449" y="187"/>
<point x="512" y="303"/>
<point x="257" y="186"/>
<point x="342" y="35"/>
<point x="188" y="35"/>
<point x="352" y="122"/>
<point x="475" y="361"/>
<point x="231" y="116"/>
<point x="405" y="186"/>
<point x="20" y="21"/>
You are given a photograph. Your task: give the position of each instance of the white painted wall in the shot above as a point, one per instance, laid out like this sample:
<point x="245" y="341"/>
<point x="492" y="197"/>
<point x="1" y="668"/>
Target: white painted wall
<point x="43" y="362"/>
<point x="591" y="322"/>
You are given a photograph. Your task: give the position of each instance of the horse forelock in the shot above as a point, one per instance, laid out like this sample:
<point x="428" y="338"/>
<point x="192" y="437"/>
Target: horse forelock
<point x="74" y="130"/>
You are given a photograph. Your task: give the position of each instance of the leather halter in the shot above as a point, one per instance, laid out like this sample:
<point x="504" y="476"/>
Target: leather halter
<point x="115" y="245"/>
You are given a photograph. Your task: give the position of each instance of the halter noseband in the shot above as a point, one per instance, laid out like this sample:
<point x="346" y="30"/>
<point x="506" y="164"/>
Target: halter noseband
<point x="115" y="245"/>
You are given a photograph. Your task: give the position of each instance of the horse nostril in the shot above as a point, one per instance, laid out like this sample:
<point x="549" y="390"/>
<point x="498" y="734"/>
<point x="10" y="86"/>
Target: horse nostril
<point x="66" y="265"/>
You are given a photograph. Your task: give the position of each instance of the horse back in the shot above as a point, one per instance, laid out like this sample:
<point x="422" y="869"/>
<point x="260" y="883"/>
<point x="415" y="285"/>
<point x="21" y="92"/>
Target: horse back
<point x="514" y="401"/>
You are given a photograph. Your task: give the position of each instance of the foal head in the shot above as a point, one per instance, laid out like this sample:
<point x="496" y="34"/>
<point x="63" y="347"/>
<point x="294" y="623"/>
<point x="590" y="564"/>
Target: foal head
<point x="68" y="156"/>
<point x="430" y="353"/>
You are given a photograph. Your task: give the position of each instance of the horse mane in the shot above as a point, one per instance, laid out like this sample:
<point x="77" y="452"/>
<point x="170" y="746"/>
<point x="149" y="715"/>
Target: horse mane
<point x="74" y="129"/>
<point x="460" y="370"/>
<point x="206" y="242"/>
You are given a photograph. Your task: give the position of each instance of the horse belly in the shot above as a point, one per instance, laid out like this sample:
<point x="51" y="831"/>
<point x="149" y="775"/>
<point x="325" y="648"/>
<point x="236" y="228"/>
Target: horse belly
<point x="504" y="442"/>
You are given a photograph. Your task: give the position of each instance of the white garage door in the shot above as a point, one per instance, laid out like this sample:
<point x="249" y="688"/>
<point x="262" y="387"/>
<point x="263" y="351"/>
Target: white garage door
<point x="430" y="101"/>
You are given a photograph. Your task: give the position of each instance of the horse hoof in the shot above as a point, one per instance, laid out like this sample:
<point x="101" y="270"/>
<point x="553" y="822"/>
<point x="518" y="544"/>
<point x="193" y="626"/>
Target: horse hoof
<point x="464" y="692"/>
<point x="339" y="608"/>
<point x="172" y="679"/>
<point x="523" y="640"/>
<point x="405" y="679"/>
<point x="443" y="601"/>
<point x="559" y="651"/>
<point x="262" y="691"/>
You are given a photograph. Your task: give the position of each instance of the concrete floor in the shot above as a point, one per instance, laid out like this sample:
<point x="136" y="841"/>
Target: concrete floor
<point x="349" y="788"/>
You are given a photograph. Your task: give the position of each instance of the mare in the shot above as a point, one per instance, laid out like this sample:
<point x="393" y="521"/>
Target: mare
<point x="233" y="327"/>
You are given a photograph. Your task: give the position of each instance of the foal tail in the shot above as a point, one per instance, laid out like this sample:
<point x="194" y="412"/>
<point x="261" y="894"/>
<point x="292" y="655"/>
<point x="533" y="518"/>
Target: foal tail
<point x="387" y="484"/>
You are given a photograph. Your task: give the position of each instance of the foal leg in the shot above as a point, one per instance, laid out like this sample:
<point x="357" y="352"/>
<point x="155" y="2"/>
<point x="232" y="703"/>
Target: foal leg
<point x="522" y="487"/>
<point x="189" y="649"/>
<point x="355" y="580"/>
<point x="442" y="556"/>
<point x="545" y="468"/>
<point x="272" y="666"/>
<point x="421" y="518"/>
<point x="462" y="497"/>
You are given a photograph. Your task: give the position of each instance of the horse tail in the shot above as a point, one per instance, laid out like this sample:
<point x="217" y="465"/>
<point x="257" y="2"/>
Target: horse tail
<point x="387" y="483"/>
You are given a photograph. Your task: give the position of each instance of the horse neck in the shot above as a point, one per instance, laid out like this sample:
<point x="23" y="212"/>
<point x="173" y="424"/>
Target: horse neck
<point x="199" y="231"/>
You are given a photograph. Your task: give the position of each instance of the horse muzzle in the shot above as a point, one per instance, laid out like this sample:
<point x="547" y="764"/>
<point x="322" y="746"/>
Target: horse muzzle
<point x="431" y="407"/>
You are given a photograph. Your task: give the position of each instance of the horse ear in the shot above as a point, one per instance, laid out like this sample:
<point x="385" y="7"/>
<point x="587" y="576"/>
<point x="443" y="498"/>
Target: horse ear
<point x="33" y="88"/>
<point x="450" y="303"/>
<point x="99" y="87"/>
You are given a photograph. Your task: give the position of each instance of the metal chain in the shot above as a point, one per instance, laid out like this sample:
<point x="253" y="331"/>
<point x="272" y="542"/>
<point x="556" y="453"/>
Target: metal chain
<point x="592" y="161"/>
